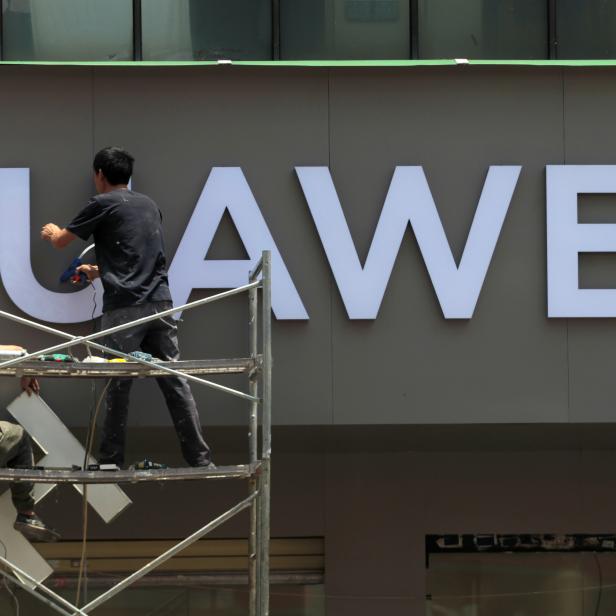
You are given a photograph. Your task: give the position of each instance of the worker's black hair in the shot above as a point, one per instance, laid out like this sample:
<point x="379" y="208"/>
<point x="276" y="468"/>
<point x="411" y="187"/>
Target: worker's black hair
<point x="116" y="165"/>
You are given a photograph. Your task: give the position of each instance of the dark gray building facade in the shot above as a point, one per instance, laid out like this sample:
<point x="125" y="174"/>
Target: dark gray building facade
<point x="391" y="427"/>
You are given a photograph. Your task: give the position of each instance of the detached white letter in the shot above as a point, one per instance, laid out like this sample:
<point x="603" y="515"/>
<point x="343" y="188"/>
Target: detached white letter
<point x="409" y="200"/>
<point x="227" y="189"/>
<point x="566" y="239"/>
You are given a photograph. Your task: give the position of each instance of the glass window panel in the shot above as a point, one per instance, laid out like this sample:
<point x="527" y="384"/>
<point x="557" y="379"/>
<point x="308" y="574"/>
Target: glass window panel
<point x="488" y="29"/>
<point x="586" y="29"/>
<point x="285" y="600"/>
<point x="537" y="584"/>
<point x="344" y="29"/>
<point x="207" y="29"/>
<point x="67" y="30"/>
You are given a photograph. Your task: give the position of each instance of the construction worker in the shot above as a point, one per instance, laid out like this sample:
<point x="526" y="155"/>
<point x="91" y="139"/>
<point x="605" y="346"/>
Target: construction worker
<point x="16" y="451"/>
<point x="131" y="262"/>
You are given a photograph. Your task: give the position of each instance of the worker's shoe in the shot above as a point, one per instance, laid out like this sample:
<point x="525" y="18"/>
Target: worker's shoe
<point x="34" y="529"/>
<point x="209" y="465"/>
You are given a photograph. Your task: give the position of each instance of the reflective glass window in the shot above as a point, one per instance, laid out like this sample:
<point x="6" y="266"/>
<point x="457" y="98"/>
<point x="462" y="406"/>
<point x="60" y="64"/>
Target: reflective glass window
<point x="534" y="584"/>
<point x="488" y="29"/>
<point x="67" y="30"/>
<point x="285" y="600"/>
<point x="344" y="29"/>
<point x="207" y="29"/>
<point x="586" y="29"/>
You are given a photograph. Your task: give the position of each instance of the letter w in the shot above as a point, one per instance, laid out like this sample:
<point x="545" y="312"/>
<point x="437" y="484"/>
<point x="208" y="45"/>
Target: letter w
<point x="409" y="200"/>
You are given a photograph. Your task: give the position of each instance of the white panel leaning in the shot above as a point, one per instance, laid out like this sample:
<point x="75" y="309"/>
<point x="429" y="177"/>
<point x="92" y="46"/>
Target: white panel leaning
<point x="61" y="448"/>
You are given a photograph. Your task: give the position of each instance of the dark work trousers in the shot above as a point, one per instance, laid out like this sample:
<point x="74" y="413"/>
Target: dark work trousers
<point x="159" y="338"/>
<point x="16" y="450"/>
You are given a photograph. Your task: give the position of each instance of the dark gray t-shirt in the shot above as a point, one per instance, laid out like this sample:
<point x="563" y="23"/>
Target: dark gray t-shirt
<point x="130" y="251"/>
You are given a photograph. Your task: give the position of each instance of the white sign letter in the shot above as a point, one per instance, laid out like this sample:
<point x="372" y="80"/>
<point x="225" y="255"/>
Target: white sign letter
<point x="16" y="269"/>
<point x="227" y="189"/>
<point x="409" y="200"/>
<point x="566" y="239"/>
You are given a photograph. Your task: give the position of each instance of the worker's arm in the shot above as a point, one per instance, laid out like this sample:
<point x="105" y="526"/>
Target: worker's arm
<point x="59" y="238"/>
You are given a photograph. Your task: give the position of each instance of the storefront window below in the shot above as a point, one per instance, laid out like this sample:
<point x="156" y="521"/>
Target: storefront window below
<point x="535" y="584"/>
<point x="285" y="600"/>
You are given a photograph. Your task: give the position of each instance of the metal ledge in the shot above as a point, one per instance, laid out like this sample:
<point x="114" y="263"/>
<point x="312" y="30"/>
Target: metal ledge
<point x="190" y="580"/>
<point x="241" y="471"/>
<point x="285" y="64"/>
<point x="129" y="369"/>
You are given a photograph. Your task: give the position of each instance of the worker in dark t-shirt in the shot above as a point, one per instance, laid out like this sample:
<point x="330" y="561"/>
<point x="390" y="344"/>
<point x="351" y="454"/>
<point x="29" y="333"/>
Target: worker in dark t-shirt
<point x="130" y="254"/>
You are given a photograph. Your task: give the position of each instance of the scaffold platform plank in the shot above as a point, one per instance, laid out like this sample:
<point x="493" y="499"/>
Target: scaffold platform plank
<point x="90" y="370"/>
<point x="241" y="471"/>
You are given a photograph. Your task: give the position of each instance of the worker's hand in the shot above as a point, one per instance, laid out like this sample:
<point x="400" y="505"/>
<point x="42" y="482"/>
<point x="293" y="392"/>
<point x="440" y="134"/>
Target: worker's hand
<point x="30" y="385"/>
<point x="91" y="271"/>
<point x="50" y="231"/>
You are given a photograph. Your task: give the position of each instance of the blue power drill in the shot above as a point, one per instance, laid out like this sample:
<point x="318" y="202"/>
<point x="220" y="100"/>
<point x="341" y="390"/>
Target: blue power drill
<point x="71" y="274"/>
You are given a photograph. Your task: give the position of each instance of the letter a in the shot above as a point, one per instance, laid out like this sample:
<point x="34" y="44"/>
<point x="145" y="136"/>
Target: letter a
<point x="227" y="189"/>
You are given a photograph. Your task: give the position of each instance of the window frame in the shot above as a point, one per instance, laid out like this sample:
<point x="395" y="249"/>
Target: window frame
<point x="137" y="31"/>
<point x="137" y="28"/>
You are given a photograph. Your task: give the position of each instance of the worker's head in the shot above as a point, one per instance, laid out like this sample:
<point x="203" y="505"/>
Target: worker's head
<point x="112" y="167"/>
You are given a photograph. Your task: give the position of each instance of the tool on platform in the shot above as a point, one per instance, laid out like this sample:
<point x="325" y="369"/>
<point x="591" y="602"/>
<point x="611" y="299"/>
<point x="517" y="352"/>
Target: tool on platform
<point x="103" y="467"/>
<point x="144" y="356"/>
<point x="71" y="274"/>
<point x="147" y="465"/>
<point x="59" y="357"/>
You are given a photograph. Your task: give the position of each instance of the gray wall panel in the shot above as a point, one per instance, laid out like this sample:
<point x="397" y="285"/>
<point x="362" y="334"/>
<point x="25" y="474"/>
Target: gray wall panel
<point x="377" y="562"/>
<point x="508" y="363"/>
<point x="46" y="124"/>
<point x="589" y="136"/>
<point x="265" y="123"/>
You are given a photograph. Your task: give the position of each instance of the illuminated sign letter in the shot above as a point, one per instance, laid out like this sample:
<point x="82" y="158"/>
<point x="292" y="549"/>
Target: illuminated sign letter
<point x="566" y="239"/>
<point x="227" y="189"/>
<point x="15" y="267"/>
<point x="409" y="200"/>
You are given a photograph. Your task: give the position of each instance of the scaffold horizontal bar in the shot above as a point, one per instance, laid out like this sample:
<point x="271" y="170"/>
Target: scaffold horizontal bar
<point x="189" y="580"/>
<point x="117" y="328"/>
<point x="129" y="369"/>
<point x="241" y="471"/>
<point x="24" y="359"/>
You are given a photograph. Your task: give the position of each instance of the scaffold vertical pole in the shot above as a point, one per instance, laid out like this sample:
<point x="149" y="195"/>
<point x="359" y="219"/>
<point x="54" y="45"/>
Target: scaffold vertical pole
<point x="266" y="430"/>
<point x="253" y="449"/>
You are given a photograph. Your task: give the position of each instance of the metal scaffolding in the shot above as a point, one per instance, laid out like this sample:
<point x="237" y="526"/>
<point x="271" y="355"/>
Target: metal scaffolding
<point x="257" y="367"/>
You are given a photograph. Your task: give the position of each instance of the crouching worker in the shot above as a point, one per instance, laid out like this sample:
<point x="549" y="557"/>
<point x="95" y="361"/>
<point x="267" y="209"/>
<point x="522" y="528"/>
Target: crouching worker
<point x="16" y="451"/>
